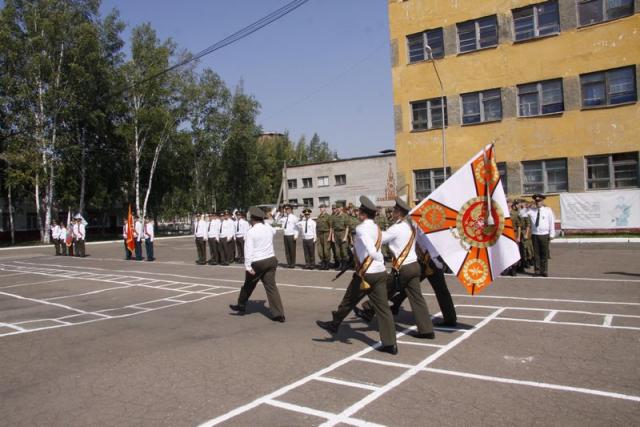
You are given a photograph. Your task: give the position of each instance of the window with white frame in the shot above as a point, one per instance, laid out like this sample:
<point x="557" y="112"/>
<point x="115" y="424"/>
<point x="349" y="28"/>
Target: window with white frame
<point x="480" y="107"/>
<point x="594" y="11"/>
<point x="323" y="181"/>
<point x="427" y="180"/>
<point x="308" y="203"/>
<point x="610" y="87"/>
<point x="307" y="182"/>
<point x="612" y="171"/>
<point x="324" y="201"/>
<point x="538" y="20"/>
<point x="292" y="184"/>
<point x="416" y="45"/>
<point x="341" y="179"/>
<point x="477" y="34"/>
<point x="427" y="114"/>
<point x="535" y="99"/>
<point x="544" y="176"/>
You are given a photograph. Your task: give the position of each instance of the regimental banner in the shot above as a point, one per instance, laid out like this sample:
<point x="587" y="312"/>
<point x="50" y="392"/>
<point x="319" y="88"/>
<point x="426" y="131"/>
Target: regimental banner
<point x="467" y="220"/>
<point x="600" y="210"/>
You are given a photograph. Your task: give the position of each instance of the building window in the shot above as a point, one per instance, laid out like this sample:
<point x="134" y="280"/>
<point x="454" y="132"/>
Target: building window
<point x="293" y="202"/>
<point x="535" y="99"/>
<point x="594" y="11"/>
<point x="612" y="171"/>
<point x="307" y="182"/>
<point x="544" y="176"/>
<point x="536" y="21"/>
<point x="477" y="34"/>
<point x="609" y="87"/>
<point x="324" y="201"/>
<point x="480" y="107"/>
<point x="292" y="184"/>
<point x="502" y="170"/>
<point x="427" y="180"/>
<point x="308" y="203"/>
<point x="341" y="179"/>
<point x="323" y="181"/>
<point x="427" y="114"/>
<point x="416" y="45"/>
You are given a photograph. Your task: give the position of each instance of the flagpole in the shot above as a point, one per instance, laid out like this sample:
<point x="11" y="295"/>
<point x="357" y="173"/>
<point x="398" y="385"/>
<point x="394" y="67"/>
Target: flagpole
<point x="444" y="141"/>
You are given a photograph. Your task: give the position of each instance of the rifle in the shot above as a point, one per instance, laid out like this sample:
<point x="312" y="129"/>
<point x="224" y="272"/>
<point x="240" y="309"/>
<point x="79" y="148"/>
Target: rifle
<point x="340" y="273"/>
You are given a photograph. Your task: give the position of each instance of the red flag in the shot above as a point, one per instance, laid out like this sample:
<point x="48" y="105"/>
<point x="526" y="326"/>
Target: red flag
<point x="467" y="220"/>
<point x="131" y="244"/>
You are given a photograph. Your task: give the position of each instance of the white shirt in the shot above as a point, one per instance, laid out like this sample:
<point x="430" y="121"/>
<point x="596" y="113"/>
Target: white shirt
<point x="397" y="237"/>
<point x="213" y="229"/>
<point x="307" y="229"/>
<point x="201" y="229"/>
<point x="63" y="234"/>
<point x="242" y="226"/>
<point x="289" y="225"/>
<point x="124" y="231"/>
<point x="148" y="231"/>
<point x="139" y="229"/>
<point x="74" y="230"/>
<point x="228" y="229"/>
<point x="55" y="232"/>
<point x="365" y="245"/>
<point x="258" y="244"/>
<point x="81" y="232"/>
<point x="546" y="224"/>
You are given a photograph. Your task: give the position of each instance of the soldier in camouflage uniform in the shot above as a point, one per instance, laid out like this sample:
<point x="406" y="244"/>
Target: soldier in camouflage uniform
<point x="340" y="223"/>
<point x="323" y="228"/>
<point x="526" y="244"/>
<point x="354" y="221"/>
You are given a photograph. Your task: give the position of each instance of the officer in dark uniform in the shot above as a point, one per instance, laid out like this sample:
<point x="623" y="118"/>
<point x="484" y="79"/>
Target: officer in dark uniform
<point x="323" y="228"/>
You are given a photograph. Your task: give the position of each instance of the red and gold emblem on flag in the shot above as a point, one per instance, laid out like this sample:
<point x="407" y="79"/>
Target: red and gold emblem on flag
<point x="467" y="221"/>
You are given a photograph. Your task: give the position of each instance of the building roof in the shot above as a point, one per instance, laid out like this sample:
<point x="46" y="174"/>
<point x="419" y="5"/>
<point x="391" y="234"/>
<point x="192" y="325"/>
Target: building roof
<point x="345" y="160"/>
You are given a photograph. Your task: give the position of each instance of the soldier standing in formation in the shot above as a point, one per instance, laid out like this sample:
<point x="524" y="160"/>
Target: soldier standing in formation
<point x="526" y="246"/>
<point x="340" y="222"/>
<point x="200" y="235"/>
<point x="260" y="264"/>
<point x="63" y="239"/>
<point x="372" y="271"/>
<point x="542" y="231"/>
<point x="332" y="237"/>
<point x="213" y="238"/>
<point x="148" y="238"/>
<point x="289" y="226"/>
<point x="323" y="228"/>
<point x="138" y="234"/>
<point x="55" y="236"/>
<point x="517" y="228"/>
<point x="125" y="233"/>
<point x="81" y="234"/>
<point x="227" y="231"/>
<point x="307" y="229"/>
<point x="242" y="226"/>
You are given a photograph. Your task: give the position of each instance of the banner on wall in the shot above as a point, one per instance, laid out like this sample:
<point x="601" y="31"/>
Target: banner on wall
<point x="600" y="209"/>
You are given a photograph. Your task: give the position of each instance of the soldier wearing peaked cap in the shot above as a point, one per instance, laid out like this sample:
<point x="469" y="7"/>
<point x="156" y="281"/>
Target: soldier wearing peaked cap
<point x="323" y="232"/>
<point x="242" y="226"/>
<point x="307" y="229"/>
<point x="371" y="272"/>
<point x="289" y="225"/>
<point x="542" y="231"/>
<point x="260" y="264"/>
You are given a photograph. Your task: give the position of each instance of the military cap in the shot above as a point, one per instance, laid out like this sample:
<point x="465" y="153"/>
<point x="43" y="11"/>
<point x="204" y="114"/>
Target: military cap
<point x="402" y="205"/>
<point x="333" y="206"/>
<point x="538" y="196"/>
<point x="306" y="211"/>
<point x="256" y="212"/>
<point x="367" y="205"/>
<point x="287" y="206"/>
<point x="323" y="206"/>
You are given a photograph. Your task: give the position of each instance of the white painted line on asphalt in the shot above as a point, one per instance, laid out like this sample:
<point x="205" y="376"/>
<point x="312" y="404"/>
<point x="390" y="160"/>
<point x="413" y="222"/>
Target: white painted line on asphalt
<point x="102" y="242"/>
<point x="347" y="383"/>
<point x="32" y="283"/>
<point x="536" y="384"/>
<point x="320" y="414"/>
<point x="86" y="293"/>
<point x="578" y="301"/>
<point x="348" y="412"/>
<point x="66" y="307"/>
<point x="11" y="275"/>
<point x="546" y="309"/>
<point x="384" y="362"/>
<point x="11" y="326"/>
<point x="591" y="325"/>
<point x="550" y="316"/>
<point x="608" y="319"/>
<point x="420" y="344"/>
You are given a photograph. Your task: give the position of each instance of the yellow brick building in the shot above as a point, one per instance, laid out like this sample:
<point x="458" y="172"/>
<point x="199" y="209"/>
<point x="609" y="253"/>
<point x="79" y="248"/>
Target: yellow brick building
<point x="554" y="83"/>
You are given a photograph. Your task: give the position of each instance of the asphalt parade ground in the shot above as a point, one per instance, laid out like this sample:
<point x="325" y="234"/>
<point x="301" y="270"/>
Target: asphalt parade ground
<point x="103" y="341"/>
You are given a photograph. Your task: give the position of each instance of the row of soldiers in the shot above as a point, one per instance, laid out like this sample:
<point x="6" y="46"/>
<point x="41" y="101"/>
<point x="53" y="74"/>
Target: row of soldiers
<point x="142" y="232"/>
<point x="223" y="234"/>
<point x="69" y="241"/>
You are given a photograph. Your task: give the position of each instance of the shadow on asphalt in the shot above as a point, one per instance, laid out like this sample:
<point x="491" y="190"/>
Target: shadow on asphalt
<point x="622" y="273"/>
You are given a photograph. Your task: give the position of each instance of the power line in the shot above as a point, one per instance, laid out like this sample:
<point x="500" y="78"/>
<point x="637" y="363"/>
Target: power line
<point x="238" y="35"/>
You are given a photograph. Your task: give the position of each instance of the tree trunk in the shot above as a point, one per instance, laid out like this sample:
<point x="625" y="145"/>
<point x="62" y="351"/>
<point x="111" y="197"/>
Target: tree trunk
<point x="48" y="204"/>
<point x="156" y="155"/>
<point x="38" y="206"/>
<point x="12" y="227"/>
<point x="83" y="171"/>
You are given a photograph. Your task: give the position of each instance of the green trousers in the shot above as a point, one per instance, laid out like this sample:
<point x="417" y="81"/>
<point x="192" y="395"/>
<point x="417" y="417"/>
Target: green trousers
<point x="324" y="247"/>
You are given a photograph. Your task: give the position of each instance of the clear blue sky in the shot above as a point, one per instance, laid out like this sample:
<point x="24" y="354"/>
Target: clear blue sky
<point x="323" y="68"/>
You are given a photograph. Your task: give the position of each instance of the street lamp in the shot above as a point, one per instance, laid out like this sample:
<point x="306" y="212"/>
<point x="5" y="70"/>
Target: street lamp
<point x="429" y="52"/>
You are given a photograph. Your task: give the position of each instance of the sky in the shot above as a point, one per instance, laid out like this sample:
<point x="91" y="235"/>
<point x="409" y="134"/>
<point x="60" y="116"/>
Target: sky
<point x="324" y="68"/>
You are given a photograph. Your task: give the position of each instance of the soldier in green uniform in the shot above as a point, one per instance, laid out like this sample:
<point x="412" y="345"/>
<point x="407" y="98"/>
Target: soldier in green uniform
<point x="332" y="239"/>
<point x="340" y="224"/>
<point x="517" y="229"/>
<point x="526" y="244"/>
<point x="323" y="228"/>
<point x="354" y="221"/>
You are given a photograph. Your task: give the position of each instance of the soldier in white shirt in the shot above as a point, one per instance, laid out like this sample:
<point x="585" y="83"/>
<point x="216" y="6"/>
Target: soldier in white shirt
<point x="213" y="237"/>
<point x="63" y="239"/>
<point x="81" y="235"/>
<point x="242" y="226"/>
<point x="200" y="234"/>
<point x="260" y="264"/>
<point x="542" y="231"/>
<point x="307" y="229"/>
<point x="55" y="236"/>
<point x="370" y="269"/>
<point x="74" y="236"/>
<point x="125" y="233"/>
<point x="148" y="238"/>
<point x="406" y="272"/>
<point x="289" y="226"/>
<point x="227" y="232"/>
<point x="138" y="236"/>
